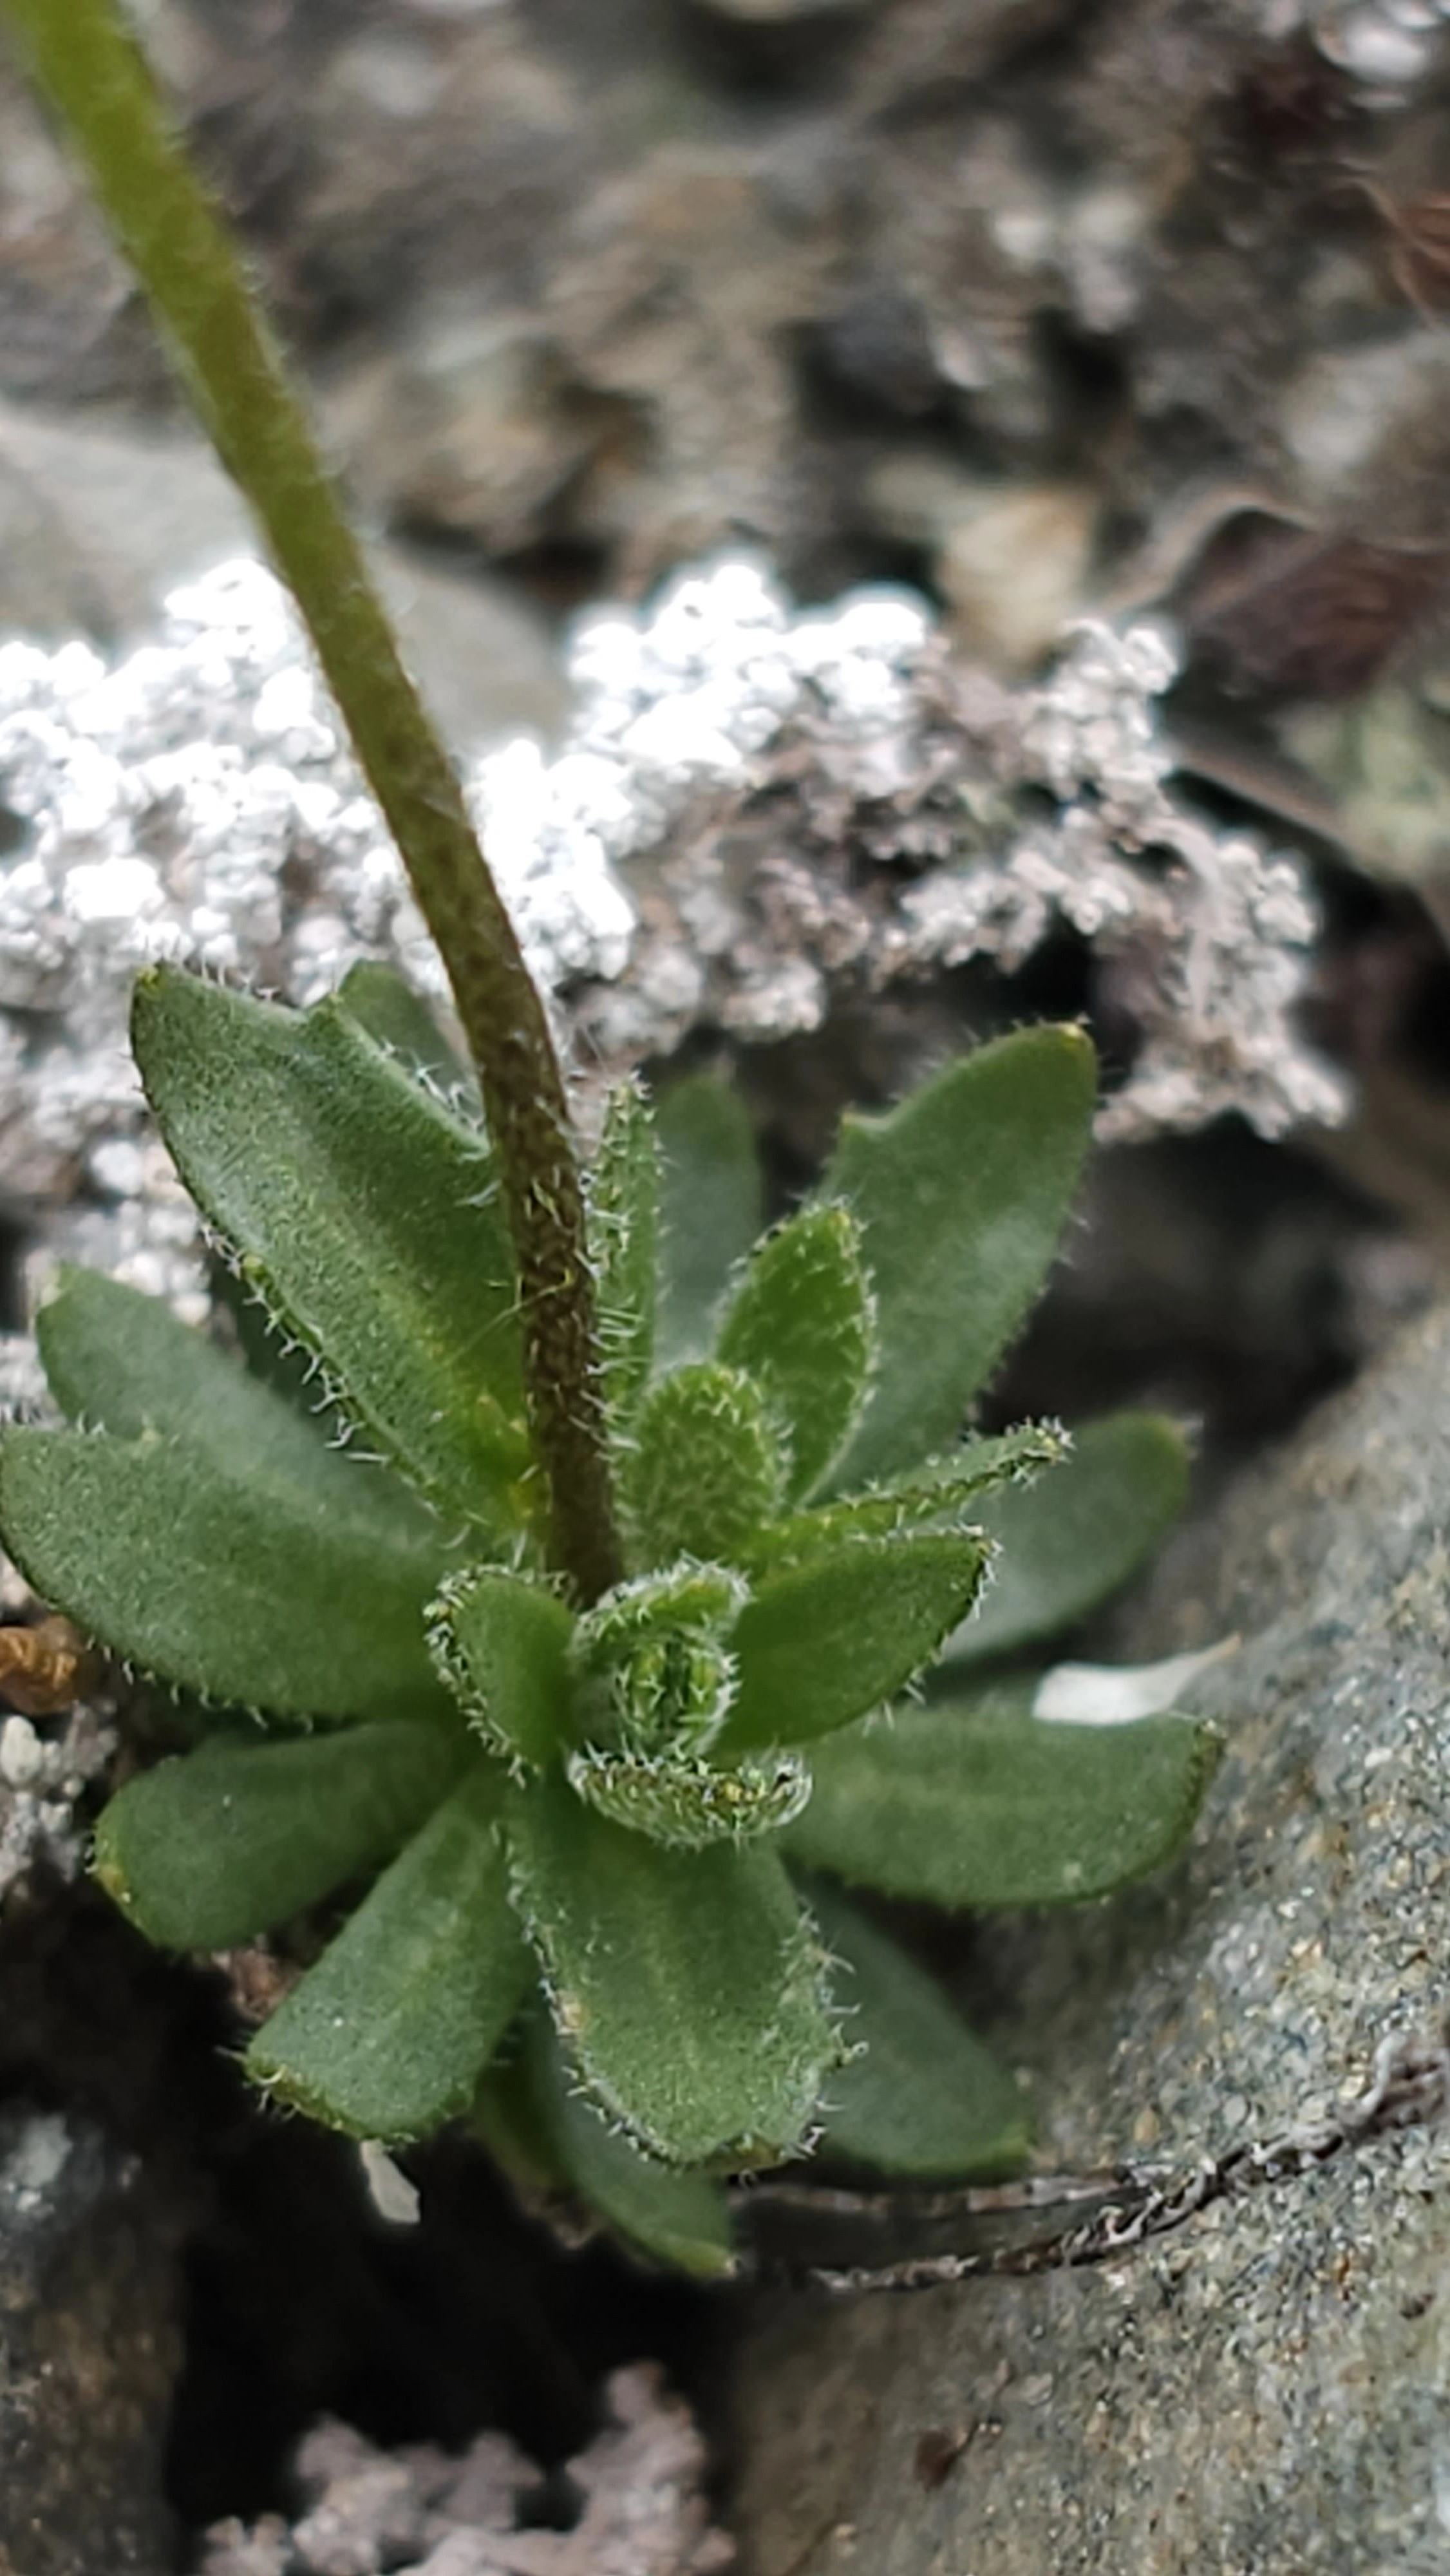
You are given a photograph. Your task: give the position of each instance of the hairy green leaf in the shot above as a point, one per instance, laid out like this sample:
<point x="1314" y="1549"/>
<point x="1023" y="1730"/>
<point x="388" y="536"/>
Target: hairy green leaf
<point x="922" y="2096"/>
<point x="685" y="1600"/>
<point x="399" y="1021"/>
<point x="961" y="1195"/>
<point x="974" y="1802"/>
<point x="686" y="1984"/>
<point x="276" y="1359"/>
<point x="711" y="1207"/>
<point x="942" y="1493"/>
<point x="685" y="1802"/>
<point x="238" y="1589"/>
<point x="651" y="1667"/>
<point x="218" y="1845"/>
<point x="827" y="1640"/>
<point x="365" y="1214"/>
<point x="501" y="1643"/>
<point x="120" y="1362"/>
<point x="1067" y="1544"/>
<point x="799" y="1323"/>
<point x="506" y="2115"/>
<point x="681" y="2217"/>
<point x="389" y="2033"/>
<point x="624" y="1200"/>
<point x="704" y="1467"/>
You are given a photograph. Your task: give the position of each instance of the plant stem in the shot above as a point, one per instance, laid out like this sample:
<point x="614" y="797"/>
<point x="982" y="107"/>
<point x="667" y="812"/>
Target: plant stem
<point x="85" y="59"/>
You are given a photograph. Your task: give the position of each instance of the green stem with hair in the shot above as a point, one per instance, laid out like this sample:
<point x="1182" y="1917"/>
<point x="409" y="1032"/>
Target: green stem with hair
<point x="84" y="58"/>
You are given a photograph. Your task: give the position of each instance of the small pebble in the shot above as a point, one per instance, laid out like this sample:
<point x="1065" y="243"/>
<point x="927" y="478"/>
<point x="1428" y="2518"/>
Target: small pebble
<point x="22" y="1754"/>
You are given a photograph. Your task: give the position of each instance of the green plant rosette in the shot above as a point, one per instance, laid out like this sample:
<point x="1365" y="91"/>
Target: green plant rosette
<point x="595" y="1858"/>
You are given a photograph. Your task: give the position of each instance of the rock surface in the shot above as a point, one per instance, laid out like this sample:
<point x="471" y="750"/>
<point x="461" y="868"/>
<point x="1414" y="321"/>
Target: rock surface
<point x="88" y="2347"/>
<point x="1266" y="2391"/>
<point x="102" y="517"/>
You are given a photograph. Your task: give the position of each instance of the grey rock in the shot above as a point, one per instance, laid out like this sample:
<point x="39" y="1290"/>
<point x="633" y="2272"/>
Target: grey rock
<point x="483" y="656"/>
<point x="71" y="324"/>
<point x="1268" y="2388"/>
<point x="88" y="2348"/>
<point x="103" y="514"/>
<point x="100" y="517"/>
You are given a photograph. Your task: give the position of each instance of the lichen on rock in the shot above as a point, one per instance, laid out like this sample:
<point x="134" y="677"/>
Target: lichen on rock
<point x="753" y="813"/>
<point x="419" y="2512"/>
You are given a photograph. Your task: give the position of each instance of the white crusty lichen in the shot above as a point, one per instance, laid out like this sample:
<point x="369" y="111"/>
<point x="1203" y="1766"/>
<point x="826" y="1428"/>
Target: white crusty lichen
<point x="640" y="2483"/>
<point x="197" y="802"/>
<point x="755" y="812"/>
<point x="1207" y="933"/>
<point x="44" y="1773"/>
<point x="897" y="813"/>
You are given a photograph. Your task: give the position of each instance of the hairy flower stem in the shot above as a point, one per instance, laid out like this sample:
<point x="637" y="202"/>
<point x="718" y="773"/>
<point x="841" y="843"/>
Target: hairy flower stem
<point x="84" y="58"/>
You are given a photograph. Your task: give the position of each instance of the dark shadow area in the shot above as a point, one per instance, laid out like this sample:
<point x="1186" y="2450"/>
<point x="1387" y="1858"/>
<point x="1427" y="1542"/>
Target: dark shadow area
<point x="297" y="2300"/>
<point x="301" y="2302"/>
